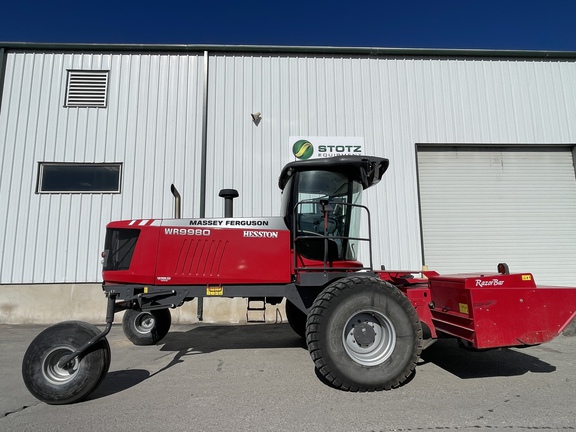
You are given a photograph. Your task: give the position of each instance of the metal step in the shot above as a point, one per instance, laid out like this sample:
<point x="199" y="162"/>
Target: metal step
<point x="256" y="310"/>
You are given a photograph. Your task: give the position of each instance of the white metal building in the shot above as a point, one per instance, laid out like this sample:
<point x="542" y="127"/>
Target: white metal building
<point x="481" y="144"/>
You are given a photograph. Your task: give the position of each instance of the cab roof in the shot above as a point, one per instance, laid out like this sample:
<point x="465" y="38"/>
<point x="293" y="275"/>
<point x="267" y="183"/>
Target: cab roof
<point x="367" y="170"/>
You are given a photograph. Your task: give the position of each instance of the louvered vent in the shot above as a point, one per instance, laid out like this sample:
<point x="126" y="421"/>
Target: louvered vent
<point x="87" y="89"/>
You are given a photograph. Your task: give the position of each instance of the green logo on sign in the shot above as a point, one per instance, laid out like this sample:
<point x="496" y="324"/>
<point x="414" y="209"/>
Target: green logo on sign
<point x="303" y="149"/>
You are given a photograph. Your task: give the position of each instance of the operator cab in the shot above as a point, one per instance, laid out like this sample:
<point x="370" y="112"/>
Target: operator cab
<point x="321" y="204"/>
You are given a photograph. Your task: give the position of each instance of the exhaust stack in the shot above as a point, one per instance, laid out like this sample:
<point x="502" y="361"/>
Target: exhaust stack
<point x="228" y="195"/>
<point x="177" y="201"/>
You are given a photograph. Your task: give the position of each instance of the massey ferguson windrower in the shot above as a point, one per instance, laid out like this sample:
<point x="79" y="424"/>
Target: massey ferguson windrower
<point x="365" y="329"/>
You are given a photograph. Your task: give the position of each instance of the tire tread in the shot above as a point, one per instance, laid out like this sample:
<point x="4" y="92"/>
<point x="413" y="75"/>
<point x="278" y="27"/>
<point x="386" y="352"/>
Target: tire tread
<point x="325" y="302"/>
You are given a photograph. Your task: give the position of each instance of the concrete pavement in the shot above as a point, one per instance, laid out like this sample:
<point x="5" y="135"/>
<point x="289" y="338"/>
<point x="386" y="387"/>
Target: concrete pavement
<point x="261" y="378"/>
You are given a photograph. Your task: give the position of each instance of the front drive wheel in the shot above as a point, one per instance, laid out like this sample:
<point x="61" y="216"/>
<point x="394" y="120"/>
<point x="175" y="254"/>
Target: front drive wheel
<point x="146" y="327"/>
<point x="55" y="384"/>
<point x="364" y="334"/>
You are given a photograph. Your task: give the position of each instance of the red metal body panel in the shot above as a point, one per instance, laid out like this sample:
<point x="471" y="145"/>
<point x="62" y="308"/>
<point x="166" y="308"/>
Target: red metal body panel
<point x="223" y="255"/>
<point x="419" y="296"/>
<point x="417" y="291"/>
<point x="207" y="251"/>
<point x="143" y="261"/>
<point x="500" y="310"/>
<point x="314" y="264"/>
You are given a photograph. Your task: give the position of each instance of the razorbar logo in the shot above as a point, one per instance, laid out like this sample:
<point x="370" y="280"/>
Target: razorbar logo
<point x="303" y="149"/>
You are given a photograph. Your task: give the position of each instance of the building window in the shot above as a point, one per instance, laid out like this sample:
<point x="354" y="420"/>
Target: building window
<point x="79" y="177"/>
<point x="87" y="89"/>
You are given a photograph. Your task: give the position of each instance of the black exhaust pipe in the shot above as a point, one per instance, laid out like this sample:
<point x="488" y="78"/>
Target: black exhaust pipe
<point x="229" y="195"/>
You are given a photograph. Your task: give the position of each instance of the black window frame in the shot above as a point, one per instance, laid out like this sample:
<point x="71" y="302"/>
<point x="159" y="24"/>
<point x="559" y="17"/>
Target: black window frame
<point x="41" y="178"/>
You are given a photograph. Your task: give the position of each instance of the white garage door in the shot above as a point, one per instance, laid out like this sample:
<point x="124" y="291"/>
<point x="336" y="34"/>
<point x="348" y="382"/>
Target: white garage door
<point x="480" y="207"/>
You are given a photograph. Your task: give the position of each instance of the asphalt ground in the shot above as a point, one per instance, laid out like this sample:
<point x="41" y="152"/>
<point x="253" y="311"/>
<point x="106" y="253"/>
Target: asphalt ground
<point x="261" y="378"/>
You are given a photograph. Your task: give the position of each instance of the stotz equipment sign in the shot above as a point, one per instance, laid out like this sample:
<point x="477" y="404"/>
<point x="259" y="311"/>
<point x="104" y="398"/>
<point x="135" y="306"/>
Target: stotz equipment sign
<point x="311" y="147"/>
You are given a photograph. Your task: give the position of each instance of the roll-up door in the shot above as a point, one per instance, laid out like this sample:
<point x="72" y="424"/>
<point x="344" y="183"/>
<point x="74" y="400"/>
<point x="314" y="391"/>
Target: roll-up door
<point x="483" y="206"/>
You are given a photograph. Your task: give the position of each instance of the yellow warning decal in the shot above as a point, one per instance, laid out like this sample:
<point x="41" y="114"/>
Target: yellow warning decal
<point x="216" y="290"/>
<point x="145" y="290"/>
<point x="463" y="308"/>
<point x="526" y="277"/>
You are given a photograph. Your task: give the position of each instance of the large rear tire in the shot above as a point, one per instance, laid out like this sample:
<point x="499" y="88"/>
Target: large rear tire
<point x="296" y="318"/>
<point x="146" y="327"/>
<point x="364" y="334"/>
<point x="73" y="382"/>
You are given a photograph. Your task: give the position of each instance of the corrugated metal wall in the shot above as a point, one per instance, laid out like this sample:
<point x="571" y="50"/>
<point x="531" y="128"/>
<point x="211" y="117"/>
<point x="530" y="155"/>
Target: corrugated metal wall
<point x="394" y="104"/>
<point x="153" y="125"/>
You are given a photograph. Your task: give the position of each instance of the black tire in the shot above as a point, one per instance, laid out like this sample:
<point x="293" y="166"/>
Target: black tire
<point x="55" y="385"/>
<point x="364" y="334"/>
<point x="296" y="318"/>
<point x="146" y="327"/>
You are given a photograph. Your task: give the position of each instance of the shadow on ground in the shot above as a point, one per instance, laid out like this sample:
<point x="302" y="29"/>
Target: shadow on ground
<point x="466" y="364"/>
<point x="210" y="338"/>
<point x="204" y="340"/>
<point x="116" y="382"/>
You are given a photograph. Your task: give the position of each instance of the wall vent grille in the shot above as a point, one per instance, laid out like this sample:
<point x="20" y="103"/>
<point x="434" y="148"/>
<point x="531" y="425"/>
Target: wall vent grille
<point x="86" y="89"/>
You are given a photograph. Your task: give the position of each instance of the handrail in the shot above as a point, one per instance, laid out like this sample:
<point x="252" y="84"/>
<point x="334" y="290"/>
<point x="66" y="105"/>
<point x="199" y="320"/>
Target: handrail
<point x="326" y="206"/>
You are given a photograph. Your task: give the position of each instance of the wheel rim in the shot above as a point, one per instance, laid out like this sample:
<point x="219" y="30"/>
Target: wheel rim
<point x="144" y="322"/>
<point x="56" y="374"/>
<point x="369" y="337"/>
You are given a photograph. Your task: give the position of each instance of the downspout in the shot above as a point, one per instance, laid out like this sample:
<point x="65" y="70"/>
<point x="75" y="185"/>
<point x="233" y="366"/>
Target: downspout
<point x="204" y="140"/>
<point x="2" y="73"/>
<point x="420" y="222"/>
<point x="574" y="158"/>
<point x="200" y="300"/>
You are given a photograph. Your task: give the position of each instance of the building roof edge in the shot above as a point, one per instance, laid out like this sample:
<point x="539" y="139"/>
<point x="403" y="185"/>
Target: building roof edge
<point x="285" y="49"/>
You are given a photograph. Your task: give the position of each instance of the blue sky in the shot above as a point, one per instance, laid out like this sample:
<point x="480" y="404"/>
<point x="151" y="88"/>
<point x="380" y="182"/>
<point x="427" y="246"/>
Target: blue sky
<point x="465" y="24"/>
